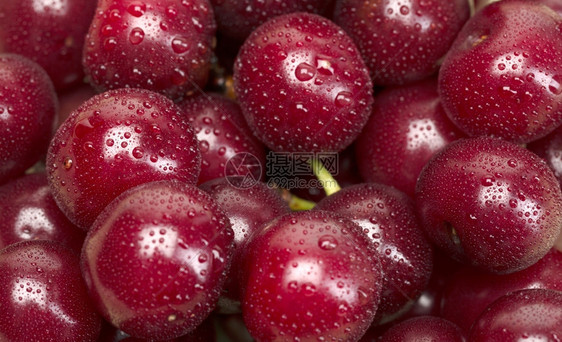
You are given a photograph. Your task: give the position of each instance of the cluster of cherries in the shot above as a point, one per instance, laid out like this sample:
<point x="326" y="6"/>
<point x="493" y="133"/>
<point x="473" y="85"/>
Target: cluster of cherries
<point x="125" y="208"/>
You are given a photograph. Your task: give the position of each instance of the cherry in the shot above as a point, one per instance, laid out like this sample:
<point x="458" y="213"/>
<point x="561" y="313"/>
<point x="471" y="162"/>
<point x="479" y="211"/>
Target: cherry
<point x="43" y="296"/>
<point x="470" y="291"/>
<point x="310" y="276"/>
<point x="387" y="217"/>
<point x="248" y="209"/>
<point x="27" y="109"/>
<point x="490" y="203"/>
<point x="113" y="142"/>
<point x="503" y="75"/>
<point x="407" y="127"/>
<point x="156" y="258"/>
<point x="402" y="41"/>
<point x="424" y="328"/>
<point x="237" y="19"/>
<point x="528" y="314"/>
<point x="222" y="133"/>
<point x="302" y="84"/>
<point x="29" y="212"/>
<point x="163" y="46"/>
<point x="51" y="33"/>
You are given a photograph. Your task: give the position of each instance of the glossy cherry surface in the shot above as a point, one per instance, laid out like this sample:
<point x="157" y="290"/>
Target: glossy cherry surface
<point x="164" y="46"/>
<point x="490" y="203"/>
<point x="424" y="328"/>
<point x="222" y="133"/>
<point x="469" y="291"/>
<point x="29" y="212"/>
<point x="248" y="211"/>
<point x="402" y="41"/>
<point x="156" y="258"/>
<point x="43" y="296"/>
<point x="27" y="109"/>
<point x="302" y="84"/>
<point x="387" y="217"/>
<point x="310" y="276"/>
<point x="113" y="142"/>
<point x="528" y="314"/>
<point x="51" y="33"/>
<point x="503" y="75"/>
<point x="407" y="127"/>
<point x="237" y="19"/>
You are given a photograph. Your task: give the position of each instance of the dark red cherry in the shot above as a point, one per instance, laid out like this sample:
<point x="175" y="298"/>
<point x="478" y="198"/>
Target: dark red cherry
<point x="43" y="296"/>
<point x="302" y="84"/>
<point x="387" y="217"/>
<point x="470" y="291"/>
<point x="490" y="203"/>
<point x="503" y="75"/>
<point x="113" y="142"/>
<point x="534" y="314"/>
<point x="156" y="258"/>
<point x="51" y="33"/>
<point x="237" y="19"/>
<point x="407" y="127"/>
<point x="29" y="212"/>
<point x="248" y="210"/>
<point x="402" y="41"/>
<point x="309" y="276"/>
<point x="222" y="133"/>
<point x="27" y="109"/>
<point x="164" y="46"/>
<point x="424" y="328"/>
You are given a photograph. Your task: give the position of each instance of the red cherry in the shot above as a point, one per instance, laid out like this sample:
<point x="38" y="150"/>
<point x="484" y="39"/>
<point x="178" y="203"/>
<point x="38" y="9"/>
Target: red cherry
<point x="113" y="142"/>
<point x="156" y="258"/>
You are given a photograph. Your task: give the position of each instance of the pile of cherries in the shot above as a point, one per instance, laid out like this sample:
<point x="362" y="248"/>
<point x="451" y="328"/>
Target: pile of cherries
<point x="135" y="136"/>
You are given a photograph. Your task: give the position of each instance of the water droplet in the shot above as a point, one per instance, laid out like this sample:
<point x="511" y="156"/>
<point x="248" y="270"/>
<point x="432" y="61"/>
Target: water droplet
<point x="344" y="98"/>
<point x="309" y="289"/>
<point x="67" y="163"/>
<point x="305" y="72"/>
<point x="324" y="66"/>
<point x="179" y="77"/>
<point x="555" y="85"/>
<point x="202" y="258"/>
<point x="487" y="181"/>
<point x="136" y="9"/>
<point x="404" y="10"/>
<point x="136" y="36"/>
<point x="512" y="163"/>
<point x="501" y="66"/>
<point x="138" y="152"/>
<point x="179" y="45"/>
<point x="327" y="242"/>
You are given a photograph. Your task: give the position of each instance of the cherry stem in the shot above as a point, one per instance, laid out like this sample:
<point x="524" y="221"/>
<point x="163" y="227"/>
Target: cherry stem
<point x="328" y="181"/>
<point x="295" y="203"/>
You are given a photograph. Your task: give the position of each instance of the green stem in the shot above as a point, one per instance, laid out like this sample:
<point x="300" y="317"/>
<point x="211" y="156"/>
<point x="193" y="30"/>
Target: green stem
<point x="295" y="203"/>
<point x="328" y="182"/>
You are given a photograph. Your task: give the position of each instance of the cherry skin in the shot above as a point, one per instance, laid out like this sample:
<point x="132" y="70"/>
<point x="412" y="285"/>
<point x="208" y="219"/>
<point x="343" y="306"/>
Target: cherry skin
<point x="163" y="46"/>
<point x="113" y="142"/>
<point x="424" y="328"/>
<point x="469" y="291"/>
<point x="407" y="127"/>
<point x="248" y="210"/>
<point x="27" y="109"/>
<point x="402" y="41"/>
<point x="29" y="212"/>
<point x="302" y="84"/>
<point x="503" y="75"/>
<point x="43" y="296"/>
<point x="156" y="258"/>
<point x="387" y="217"/>
<point x="237" y="19"/>
<point x="527" y="314"/>
<point x="222" y="133"/>
<point x="310" y="276"/>
<point x="51" y="33"/>
<point x="490" y="203"/>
